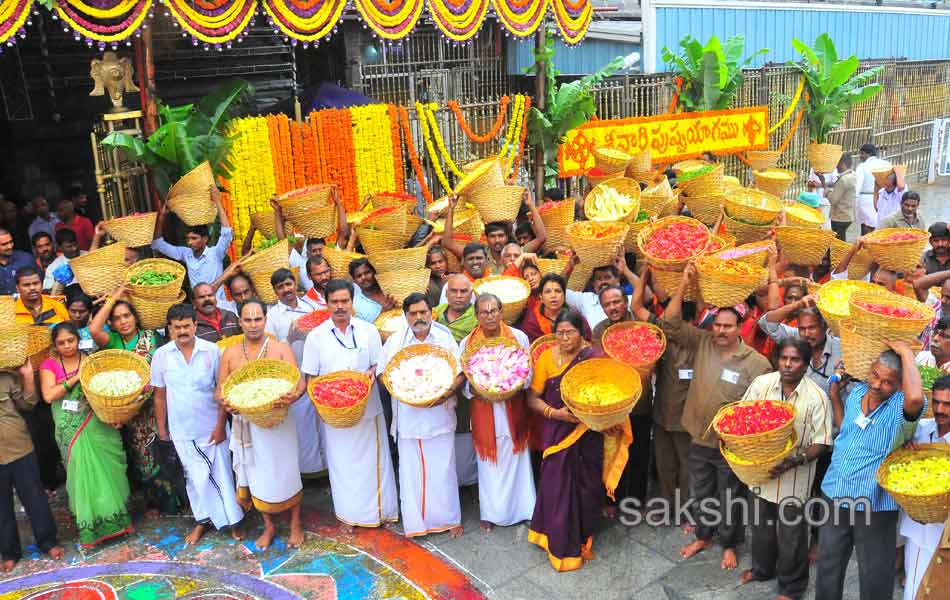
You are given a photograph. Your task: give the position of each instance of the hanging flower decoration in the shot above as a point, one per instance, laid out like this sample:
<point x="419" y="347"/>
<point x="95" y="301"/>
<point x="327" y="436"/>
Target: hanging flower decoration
<point x="220" y="24"/>
<point x="459" y="20"/>
<point x="430" y="148"/>
<point x="110" y="25"/>
<point x="439" y="141"/>
<point x="14" y="15"/>
<point x="305" y="20"/>
<point x="372" y="158"/>
<point x="252" y="184"/>
<point x="491" y="133"/>
<point x="336" y="141"/>
<point x="521" y="18"/>
<point x="413" y="156"/>
<point x="390" y="19"/>
<point x="573" y="18"/>
<point x="509" y="144"/>
<point x="396" y="141"/>
<point x="524" y="134"/>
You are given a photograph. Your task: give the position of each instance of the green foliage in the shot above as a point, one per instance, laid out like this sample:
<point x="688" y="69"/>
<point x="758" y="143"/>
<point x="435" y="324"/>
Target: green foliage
<point x="187" y="136"/>
<point x="833" y="88"/>
<point x="712" y="74"/>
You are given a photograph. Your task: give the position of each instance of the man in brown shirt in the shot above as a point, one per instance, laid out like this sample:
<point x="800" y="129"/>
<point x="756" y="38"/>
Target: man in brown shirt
<point x="842" y="197"/>
<point x="723" y="368"/>
<point x="18" y="468"/>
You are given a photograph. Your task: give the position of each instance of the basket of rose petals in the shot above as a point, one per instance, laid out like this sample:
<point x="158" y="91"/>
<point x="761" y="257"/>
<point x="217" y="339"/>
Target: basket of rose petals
<point x="755" y="429"/>
<point x="671" y="242"/>
<point x="636" y="343"/>
<point x="834" y="298"/>
<point x="756" y="253"/>
<point x="312" y="320"/>
<point x="340" y="397"/>
<point x="601" y="392"/>
<point x="889" y="317"/>
<point x="919" y="481"/>
<point x="496" y="368"/>
<point x="420" y="374"/>
<point x="758" y="471"/>
<point x="897" y="249"/>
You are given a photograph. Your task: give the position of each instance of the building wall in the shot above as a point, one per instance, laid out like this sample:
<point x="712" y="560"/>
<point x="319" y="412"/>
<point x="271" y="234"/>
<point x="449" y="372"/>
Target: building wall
<point x="588" y="57"/>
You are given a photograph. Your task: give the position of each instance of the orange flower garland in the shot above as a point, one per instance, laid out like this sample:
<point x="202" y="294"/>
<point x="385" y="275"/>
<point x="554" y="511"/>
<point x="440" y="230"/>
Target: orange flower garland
<point x="524" y="134"/>
<point x="413" y="156"/>
<point x="491" y="133"/>
<point x="309" y="154"/>
<point x="300" y="161"/>
<point x="398" y="164"/>
<point x="336" y="138"/>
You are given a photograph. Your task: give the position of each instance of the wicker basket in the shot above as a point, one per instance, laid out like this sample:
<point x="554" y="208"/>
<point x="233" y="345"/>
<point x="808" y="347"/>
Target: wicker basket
<point x="745" y="233"/>
<point x="611" y="160"/>
<point x="599" y="251"/>
<point x="684" y="166"/>
<point x="804" y="245"/>
<point x="541" y="344"/>
<point x="493" y="177"/>
<point x="190" y="197"/>
<point x="923" y="509"/>
<point x="225" y="343"/>
<point x="114" y="409"/>
<point x="833" y="317"/>
<point x="640" y="167"/>
<point x="858" y="352"/>
<point x="656" y="195"/>
<point x="653" y="329"/>
<point x="345" y="416"/>
<point x="552" y="265"/>
<point x="482" y="393"/>
<point x="7" y="309"/>
<point x="134" y="231"/>
<point x="297" y="203"/>
<point x="269" y="259"/>
<point x="265" y="415"/>
<point x="38" y="342"/>
<point x="707" y="184"/>
<point x="399" y="260"/>
<point x="340" y="261"/>
<point x="774" y="181"/>
<point x="705" y="208"/>
<point x="392" y="220"/>
<point x="757" y="472"/>
<point x="153" y="313"/>
<point x="265" y="222"/>
<point x="409" y="352"/>
<point x="556" y="220"/>
<point x="886" y="329"/>
<point x="759" y="446"/>
<point x="622" y="185"/>
<point x="754" y="207"/>
<point x="630" y="242"/>
<point x="499" y="204"/>
<point x="881" y="175"/>
<point x="13" y="350"/>
<point x="484" y="174"/>
<point x="316" y="223"/>
<point x="838" y="251"/>
<point x="861" y="264"/>
<point x="669" y="280"/>
<point x="375" y="241"/>
<point x="756" y="253"/>
<point x="595" y="370"/>
<point x="652" y="228"/>
<point x="799" y="215"/>
<point x="159" y="265"/>
<point x="510" y="311"/>
<point x="763" y="159"/>
<point x="100" y="271"/>
<point x="382" y="319"/>
<point x="596" y="177"/>
<point x="400" y="284"/>
<point x="580" y="277"/>
<point x="407" y="201"/>
<point x="823" y="158"/>
<point x="721" y="288"/>
<point x="902" y="256"/>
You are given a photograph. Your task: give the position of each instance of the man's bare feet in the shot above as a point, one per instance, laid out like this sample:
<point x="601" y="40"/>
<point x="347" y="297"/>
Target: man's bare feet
<point x="694" y="548"/>
<point x="195" y="535"/>
<point x="56" y="553"/>
<point x="487" y="526"/>
<point x="264" y="541"/>
<point x="746" y="577"/>
<point x="729" y="560"/>
<point x="296" y="536"/>
<point x="456" y="532"/>
<point x="7" y="565"/>
<point x="689" y="529"/>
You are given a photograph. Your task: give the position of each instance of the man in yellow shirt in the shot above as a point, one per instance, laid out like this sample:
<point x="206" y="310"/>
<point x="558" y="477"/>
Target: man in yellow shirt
<point x="32" y="307"/>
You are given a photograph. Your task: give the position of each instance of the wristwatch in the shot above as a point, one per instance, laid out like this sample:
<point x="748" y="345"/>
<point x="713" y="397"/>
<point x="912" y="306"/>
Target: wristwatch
<point x="801" y="458"/>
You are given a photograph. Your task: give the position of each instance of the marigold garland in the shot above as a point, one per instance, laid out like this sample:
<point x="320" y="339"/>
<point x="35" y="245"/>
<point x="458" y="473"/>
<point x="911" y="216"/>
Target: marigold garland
<point x="413" y="156"/>
<point x="300" y="161"/>
<point x="390" y="19"/>
<point x="114" y="30"/>
<point x="398" y="165"/>
<point x="510" y="133"/>
<point x="313" y="22"/>
<point x="252" y="181"/>
<point x="573" y="19"/>
<point x="511" y="143"/>
<point x="433" y="156"/>
<point x="336" y="138"/>
<point x="459" y="21"/>
<point x="373" y="160"/>
<point x="214" y="28"/>
<point x="520" y="18"/>
<point x="524" y="134"/>
<point x="309" y="154"/>
<point x="439" y="141"/>
<point x="492" y="133"/>
<point x="13" y="16"/>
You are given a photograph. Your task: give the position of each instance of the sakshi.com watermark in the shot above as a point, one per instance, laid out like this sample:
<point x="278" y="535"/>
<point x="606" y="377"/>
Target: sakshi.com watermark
<point x="740" y="509"/>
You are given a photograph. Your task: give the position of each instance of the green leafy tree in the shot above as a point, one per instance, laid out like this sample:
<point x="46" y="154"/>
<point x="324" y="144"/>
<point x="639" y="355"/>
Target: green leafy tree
<point x="711" y="74"/>
<point x="833" y="88"/>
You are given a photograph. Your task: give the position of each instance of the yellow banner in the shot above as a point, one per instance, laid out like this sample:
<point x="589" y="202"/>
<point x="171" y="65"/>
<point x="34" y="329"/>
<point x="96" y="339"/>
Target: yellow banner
<point x="669" y="137"/>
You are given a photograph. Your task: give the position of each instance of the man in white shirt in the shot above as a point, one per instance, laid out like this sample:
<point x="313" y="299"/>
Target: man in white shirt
<point x="280" y="324"/>
<point x="362" y="480"/>
<point x="887" y="198"/>
<point x="865" y="187"/>
<point x="184" y="376"/>
<point x="428" y="483"/>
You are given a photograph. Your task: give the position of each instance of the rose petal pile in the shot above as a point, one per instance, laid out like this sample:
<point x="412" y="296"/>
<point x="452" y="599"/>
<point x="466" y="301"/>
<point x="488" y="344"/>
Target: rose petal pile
<point x="312" y="320"/>
<point x="341" y="392"/>
<point x="498" y="368"/>
<point x="922" y="477"/>
<point x="899" y="237"/>
<point x="894" y="312"/>
<point x="751" y="419"/>
<point x="638" y="345"/>
<point x="677" y="241"/>
<point x="258" y="392"/>
<point x="420" y="378"/>
<point x="115" y="383"/>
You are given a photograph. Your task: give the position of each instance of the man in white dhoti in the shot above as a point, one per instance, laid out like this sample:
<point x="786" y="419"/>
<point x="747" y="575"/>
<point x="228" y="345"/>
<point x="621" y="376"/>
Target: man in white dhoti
<point x="264" y="459"/>
<point x="506" y="493"/>
<point x="362" y="480"/>
<point x="922" y="539"/>
<point x="865" y="187"/>
<point x="184" y="375"/>
<point x="280" y="321"/>
<point x="428" y="483"/>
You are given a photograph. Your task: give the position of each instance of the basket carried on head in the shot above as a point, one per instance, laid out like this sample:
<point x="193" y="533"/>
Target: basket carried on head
<point x="410" y="352"/>
<point x="900" y="255"/>
<point x="763" y="159"/>
<point x="340" y="261"/>
<point x="556" y="219"/>
<point x="400" y="284"/>
<point x="134" y="231"/>
<point x="375" y="241"/>
<point x="263" y="415"/>
<point x="690" y="164"/>
<point x="671" y="263"/>
<point x="804" y="245"/>
<point x="933" y="508"/>
<point x="493" y="175"/>
<point x="705" y="208"/>
<point x="757" y="472"/>
<point x="190" y="197"/>
<point x="341" y="417"/>
<point x="745" y="233"/>
<point x="611" y="160"/>
<point x="887" y="328"/>
<point x="834" y="298"/>
<point x="858" y="352"/>
<point x="607" y="195"/>
<point x="728" y="282"/>
<point x="481" y="392"/>
<point x="881" y="175"/>
<point x="484" y="174"/>
<point x="640" y="167"/>
<point x="670" y="278"/>
<point x="756" y="446"/>
<point x="551" y="265"/>
<point x="593" y="374"/>
<point x="753" y="207"/>
<point x="707" y="184"/>
<point x="580" y="277"/>
<point x="596" y="243"/>
<point x="399" y="260"/>
<point x="861" y="264"/>
<point x="100" y="271"/>
<point x="13" y="350"/>
<point x="114" y="409"/>
<point x="774" y="181"/>
<point x="153" y="312"/>
<point x="157" y="265"/>
<point x="630" y="242"/>
<point x="756" y="253"/>
<point x="511" y="310"/>
<point x="310" y="209"/>
<point x="838" y="249"/>
<point x="823" y="158"/>
<point x="38" y="342"/>
<point x="654" y="331"/>
<point x="264" y="221"/>
<point x="499" y="204"/>
<point x="383" y="199"/>
<point x="387" y="218"/>
<point x="261" y="265"/>
<point x="799" y="215"/>
<point x="656" y="196"/>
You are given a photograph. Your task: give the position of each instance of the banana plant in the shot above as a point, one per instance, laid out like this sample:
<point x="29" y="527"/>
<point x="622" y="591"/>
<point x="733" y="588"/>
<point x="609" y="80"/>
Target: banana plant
<point x="833" y="88"/>
<point x="187" y="136"/>
<point x="711" y="74"/>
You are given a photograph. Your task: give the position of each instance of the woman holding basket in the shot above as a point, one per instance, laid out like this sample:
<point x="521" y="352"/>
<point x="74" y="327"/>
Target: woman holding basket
<point x="92" y="450"/>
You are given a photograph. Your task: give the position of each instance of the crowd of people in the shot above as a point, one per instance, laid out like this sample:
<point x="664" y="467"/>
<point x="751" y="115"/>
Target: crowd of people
<point x="531" y="462"/>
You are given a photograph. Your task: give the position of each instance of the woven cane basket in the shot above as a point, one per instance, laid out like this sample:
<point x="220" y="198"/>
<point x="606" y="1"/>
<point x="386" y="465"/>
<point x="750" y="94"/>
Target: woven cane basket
<point x="745" y="233"/>
<point x="556" y="221"/>
<point x="620" y="185"/>
<point x="114" y="409"/>
<point x="774" y="181"/>
<point x="400" y="284"/>
<point x="418" y="350"/>
<point x="473" y="226"/>
<point x="340" y="261"/>
<point x="388" y="218"/>
<point x="923" y="509"/>
<point x="804" y="245"/>
<point x="659" y="192"/>
<point x="375" y="241"/>
<point x="753" y="207"/>
<point x="261" y="265"/>
<point x="297" y="203"/>
<point x="728" y="282"/>
<point x="611" y="160"/>
<point x="158" y="265"/>
<point x="654" y="331"/>
<point x="483" y="175"/>
<point x="499" y="204"/>
<point x="881" y="175"/>
<point x="596" y="251"/>
<point x="551" y="265"/>
<point x="763" y="159"/>
<point x="624" y="379"/>
<point x="493" y="176"/>
<point x="13" y="350"/>
<point x="823" y="158"/>
<point x="399" y="260"/>
<point x="538" y="346"/>
<point x="630" y="242"/>
<point x="842" y="289"/>
<point x="580" y="277"/>
<point x="705" y="208"/>
<point x="707" y="184"/>
<point x="407" y="201"/>
<point x="225" y="343"/>
<point x="838" y="251"/>
<point x="669" y="280"/>
<point x="153" y="312"/>
<point x="317" y="222"/>
<point x="265" y="415"/>
<point x="389" y="322"/>
<point x="481" y="392"/>
<point x="341" y="417"/>
<point x="190" y="197"/>
<point x="264" y="222"/>
<point x="758" y="446"/>
<point x="596" y="177"/>
<point x="511" y="310"/>
<point x="858" y="352"/>
<point x="886" y="328"/>
<point x="899" y="256"/>
<point x="799" y="215"/>
<point x="134" y="231"/>
<point x="861" y="264"/>
<point x="691" y="164"/>
<point x="670" y="264"/>
<point x="7" y="310"/>
<point x="757" y="472"/>
<point x="100" y="271"/>
<point x="756" y="253"/>
<point x="640" y="167"/>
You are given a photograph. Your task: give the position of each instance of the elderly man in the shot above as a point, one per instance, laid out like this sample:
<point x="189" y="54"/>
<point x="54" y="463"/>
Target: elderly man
<point x="10" y="262"/>
<point x="184" y="377"/>
<point x="724" y="368"/>
<point x="506" y="493"/>
<point x="907" y="216"/>
<point x="428" y="483"/>
<point x="265" y="459"/>
<point x="214" y="324"/>
<point x="474" y="266"/>
<point x="362" y="482"/>
<point x="876" y="416"/>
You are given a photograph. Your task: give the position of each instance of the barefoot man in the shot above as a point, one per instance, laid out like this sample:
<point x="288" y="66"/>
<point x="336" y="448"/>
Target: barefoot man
<point x="265" y="460"/>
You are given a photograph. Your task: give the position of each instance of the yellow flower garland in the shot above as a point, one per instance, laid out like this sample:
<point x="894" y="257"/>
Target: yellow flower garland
<point x="440" y="143"/>
<point x="119" y="10"/>
<point x="433" y="157"/>
<point x="252" y="181"/>
<point x="115" y="37"/>
<point x="311" y="29"/>
<point x="515" y="113"/>
<point x="511" y="147"/>
<point x="373" y="160"/>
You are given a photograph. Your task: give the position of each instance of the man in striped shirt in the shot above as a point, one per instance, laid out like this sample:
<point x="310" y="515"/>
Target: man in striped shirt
<point x="876" y="417"/>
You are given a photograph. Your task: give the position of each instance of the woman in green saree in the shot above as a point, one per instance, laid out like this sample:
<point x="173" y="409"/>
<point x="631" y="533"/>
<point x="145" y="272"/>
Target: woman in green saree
<point x="92" y="450"/>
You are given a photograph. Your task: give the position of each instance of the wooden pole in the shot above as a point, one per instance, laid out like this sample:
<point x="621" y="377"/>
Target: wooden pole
<point x="146" y="69"/>
<point x="540" y="92"/>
